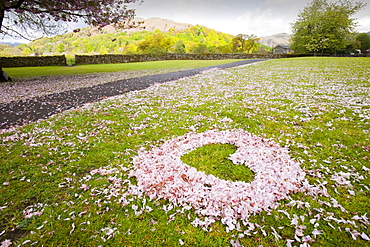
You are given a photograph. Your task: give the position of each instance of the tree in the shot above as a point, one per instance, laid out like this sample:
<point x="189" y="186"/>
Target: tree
<point x="245" y="43"/>
<point x="325" y="27"/>
<point x="200" y="48"/>
<point x="363" y="40"/>
<point x="155" y="44"/>
<point x="252" y="44"/>
<point x="60" y="48"/>
<point x="25" y="18"/>
<point x="103" y="50"/>
<point x="18" y="17"/>
<point x="179" y="47"/>
<point x="238" y="43"/>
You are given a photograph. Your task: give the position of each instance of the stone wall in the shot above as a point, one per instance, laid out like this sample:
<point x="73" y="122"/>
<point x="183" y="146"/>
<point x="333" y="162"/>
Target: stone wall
<point x="22" y="61"/>
<point x="110" y="58"/>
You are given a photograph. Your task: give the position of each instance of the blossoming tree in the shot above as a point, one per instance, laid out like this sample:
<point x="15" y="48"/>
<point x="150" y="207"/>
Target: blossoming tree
<point x="25" y="18"/>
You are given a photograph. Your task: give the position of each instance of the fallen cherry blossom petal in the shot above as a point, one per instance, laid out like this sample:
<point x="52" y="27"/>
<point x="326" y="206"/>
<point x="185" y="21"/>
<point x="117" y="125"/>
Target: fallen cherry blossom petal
<point x="6" y="243"/>
<point x="316" y="232"/>
<point x="365" y="237"/>
<point x="161" y="174"/>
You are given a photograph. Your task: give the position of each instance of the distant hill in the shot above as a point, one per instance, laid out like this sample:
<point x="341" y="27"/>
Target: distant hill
<point x="12" y="44"/>
<point x="164" y="25"/>
<point x="150" y="36"/>
<point x="136" y="25"/>
<point x="277" y="39"/>
<point x="153" y="35"/>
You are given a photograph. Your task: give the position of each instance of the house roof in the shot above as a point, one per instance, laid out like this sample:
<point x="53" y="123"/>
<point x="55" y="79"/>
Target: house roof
<point x="283" y="46"/>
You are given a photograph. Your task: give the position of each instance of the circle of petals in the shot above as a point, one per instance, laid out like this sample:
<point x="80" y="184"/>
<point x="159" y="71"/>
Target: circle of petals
<point x="160" y="173"/>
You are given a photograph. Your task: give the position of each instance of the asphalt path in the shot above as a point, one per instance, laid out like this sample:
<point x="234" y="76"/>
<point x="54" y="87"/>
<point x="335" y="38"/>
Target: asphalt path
<point x="18" y="113"/>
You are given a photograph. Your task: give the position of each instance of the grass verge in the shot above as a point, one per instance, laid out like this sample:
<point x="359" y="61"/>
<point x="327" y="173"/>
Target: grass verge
<point x="26" y="72"/>
<point x="63" y="181"/>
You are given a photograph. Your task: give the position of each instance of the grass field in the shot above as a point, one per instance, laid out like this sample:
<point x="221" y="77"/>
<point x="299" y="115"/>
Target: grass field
<point x="25" y="72"/>
<point x="67" y="181"/>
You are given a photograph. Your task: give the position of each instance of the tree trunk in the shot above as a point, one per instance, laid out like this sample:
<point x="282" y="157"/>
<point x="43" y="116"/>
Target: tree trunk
<point x="4" y="7"/>
<point x="4" y="77"/>
<point x="2" y="14"/>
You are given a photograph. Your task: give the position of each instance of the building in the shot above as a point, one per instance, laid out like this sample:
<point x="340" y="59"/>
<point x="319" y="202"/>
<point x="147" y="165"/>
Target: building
<point x="282" y="49"/>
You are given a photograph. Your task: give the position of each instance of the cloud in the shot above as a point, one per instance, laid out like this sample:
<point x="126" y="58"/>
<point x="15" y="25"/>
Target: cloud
<point x="239" y="16"/>
<point x="261" y="23"/>
<point x="364" y="24"/>
<point x="261" y="18"/>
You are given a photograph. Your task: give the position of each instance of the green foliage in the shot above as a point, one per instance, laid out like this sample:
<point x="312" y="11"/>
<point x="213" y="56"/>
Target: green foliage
<point x="179" y="47"/>
<point x="196" y="39"/>
<point x="5" y="49"/>
<point x="324" y="27"/>
<point x="155" y="44"/>
<point x="245" y="43"/>
<point x="60" y="47"/>
<point x="363" y="40"/>
<point x="200" y="48"/>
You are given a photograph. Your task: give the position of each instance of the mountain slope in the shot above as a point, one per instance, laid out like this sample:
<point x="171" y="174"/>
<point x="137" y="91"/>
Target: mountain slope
<point x="138" y="24"/>
<point x="164" y="25"/>
<point x="152" y="35"/>
<point x="277" y="39"/>
<point x="12" y="44"/>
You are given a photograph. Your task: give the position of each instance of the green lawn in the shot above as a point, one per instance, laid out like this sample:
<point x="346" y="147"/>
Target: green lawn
<point x="24" y="72"/>
<point x="65" y="181"/>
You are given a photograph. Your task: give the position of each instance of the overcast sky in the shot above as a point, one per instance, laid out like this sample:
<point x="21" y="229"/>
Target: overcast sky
<point x="259" y="17"/>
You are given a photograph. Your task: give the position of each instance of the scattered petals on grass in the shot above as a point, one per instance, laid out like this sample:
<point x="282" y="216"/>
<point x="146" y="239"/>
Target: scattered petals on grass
<point x="27" y="88"/>
<point x="161" y="174"/>
<point x="77" y="164"/>
<point x="34" y="210"/>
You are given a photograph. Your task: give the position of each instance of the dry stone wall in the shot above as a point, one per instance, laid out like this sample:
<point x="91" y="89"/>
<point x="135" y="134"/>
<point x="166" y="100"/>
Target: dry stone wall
<point x="110" y="58"/>
<point x="22" y="61"/>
